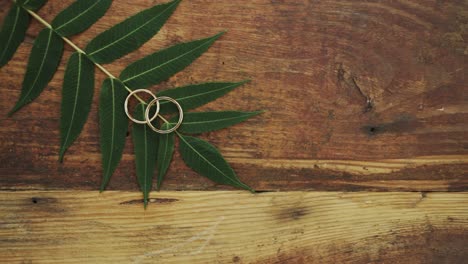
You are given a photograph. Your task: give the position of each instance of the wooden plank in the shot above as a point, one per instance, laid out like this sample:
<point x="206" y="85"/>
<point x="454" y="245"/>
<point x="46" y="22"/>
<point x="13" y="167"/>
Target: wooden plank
<point x="233" y="227"/>
<point x="360" y="95"/>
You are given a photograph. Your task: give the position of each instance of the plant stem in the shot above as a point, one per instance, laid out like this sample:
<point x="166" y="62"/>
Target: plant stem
<point x="69" y="42"/>
<point x="99" y="66"/>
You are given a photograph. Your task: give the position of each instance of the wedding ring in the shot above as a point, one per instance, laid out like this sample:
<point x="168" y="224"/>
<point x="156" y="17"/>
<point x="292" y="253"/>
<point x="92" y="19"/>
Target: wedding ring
<point x="146" y="120"/>
<point x="156" y="101"/>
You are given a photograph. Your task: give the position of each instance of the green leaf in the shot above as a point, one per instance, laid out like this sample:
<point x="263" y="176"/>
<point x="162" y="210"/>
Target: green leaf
<point x="113" y="124"/>
<point x="130" y="34"/>
<point x="199" y="122"/>
<point x="205" y="159"/>
<point x="43" y="61"/>
<point x="165" y="152"/>
<point x="77" y="96"/>
<point x="145" y="142"/>
<point x="79" y="16"/>
<point x="32" y="4"/>
<point x="161" y="65"/>
<point x="14" y="29"/>
<point x="193" y="96"/>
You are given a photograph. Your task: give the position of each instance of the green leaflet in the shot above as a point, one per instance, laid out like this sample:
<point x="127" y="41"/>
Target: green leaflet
<point x="209" y="121"/>
<point x="77" y="96"/>
<point x="130" y="34"/>
<point x="205" y="159"/>
<point x="113" y="124"/>
<point x="43" y="61"/>
<point x="79" y="16"/>
<point x="161" y="65"/>
<point x="145" y="142"/>
<point x="13" y="32"/>
<point x="165" y="152"/>
<point x="193" y="96"/>
<point x="32" y="4"/>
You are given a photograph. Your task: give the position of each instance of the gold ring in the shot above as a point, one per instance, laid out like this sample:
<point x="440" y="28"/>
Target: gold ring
<point x="146" y="120"/>
<point x="156" y="100"/>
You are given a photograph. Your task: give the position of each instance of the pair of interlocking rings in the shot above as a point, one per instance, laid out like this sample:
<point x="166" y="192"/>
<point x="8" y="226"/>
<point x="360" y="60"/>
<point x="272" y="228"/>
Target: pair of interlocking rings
<point x="155" y="100"/>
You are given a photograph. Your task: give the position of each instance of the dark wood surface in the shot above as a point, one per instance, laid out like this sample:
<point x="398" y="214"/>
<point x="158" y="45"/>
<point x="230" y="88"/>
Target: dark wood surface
<point x="360" y="95"/>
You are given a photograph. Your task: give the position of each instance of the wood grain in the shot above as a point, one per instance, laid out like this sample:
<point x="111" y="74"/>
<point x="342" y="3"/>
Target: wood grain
<point x="360" y="95"/>
<point x="233" y="227"/>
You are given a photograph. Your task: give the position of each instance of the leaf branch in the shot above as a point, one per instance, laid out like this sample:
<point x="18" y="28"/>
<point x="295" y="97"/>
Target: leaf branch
<point x="105" y="48"/>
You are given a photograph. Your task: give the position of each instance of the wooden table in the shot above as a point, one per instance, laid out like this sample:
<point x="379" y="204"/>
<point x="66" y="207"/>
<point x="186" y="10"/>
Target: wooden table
<point x="361" y="156"/>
